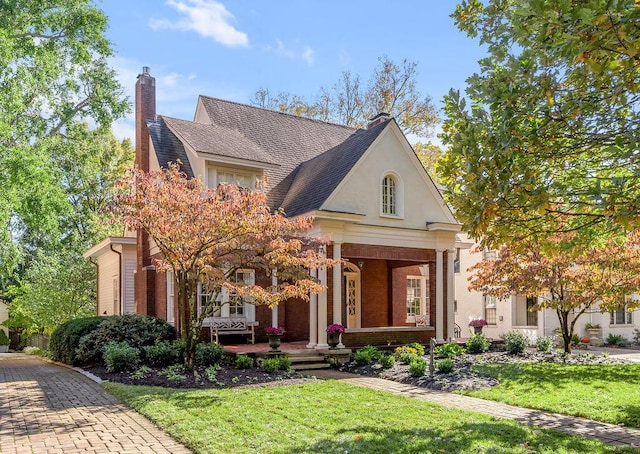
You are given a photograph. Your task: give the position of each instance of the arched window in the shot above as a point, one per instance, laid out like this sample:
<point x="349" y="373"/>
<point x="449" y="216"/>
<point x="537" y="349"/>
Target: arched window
<point x="391" y="196"/>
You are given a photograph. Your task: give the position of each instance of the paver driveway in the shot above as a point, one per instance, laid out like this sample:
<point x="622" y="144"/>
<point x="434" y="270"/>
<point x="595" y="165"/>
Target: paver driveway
<point x="46" y="408"/>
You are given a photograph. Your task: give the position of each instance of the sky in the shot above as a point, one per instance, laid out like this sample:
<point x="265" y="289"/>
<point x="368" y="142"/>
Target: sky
<point x="231" y="48"/>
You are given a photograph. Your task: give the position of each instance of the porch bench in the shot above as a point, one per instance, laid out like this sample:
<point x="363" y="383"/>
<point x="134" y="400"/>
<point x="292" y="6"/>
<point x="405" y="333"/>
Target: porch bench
<point x="231" y="325"/>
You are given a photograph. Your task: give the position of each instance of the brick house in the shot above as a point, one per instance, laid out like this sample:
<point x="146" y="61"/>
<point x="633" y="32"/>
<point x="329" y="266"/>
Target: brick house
<point x="366" y="190"/>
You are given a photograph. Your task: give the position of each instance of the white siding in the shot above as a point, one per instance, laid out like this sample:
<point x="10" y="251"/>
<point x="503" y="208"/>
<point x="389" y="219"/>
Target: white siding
<point x="4" y="315"/>
<point x="108" y="269"/>
<point x="128" y="278"/>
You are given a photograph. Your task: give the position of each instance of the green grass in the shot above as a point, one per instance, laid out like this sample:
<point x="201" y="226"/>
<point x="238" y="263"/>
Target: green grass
<point x="334" y="417"/>
<point x="608" y="393"/>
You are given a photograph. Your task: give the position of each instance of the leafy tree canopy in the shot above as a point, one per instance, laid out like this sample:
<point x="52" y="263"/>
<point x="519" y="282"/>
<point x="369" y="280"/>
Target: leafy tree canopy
<point x="549" y="127"/>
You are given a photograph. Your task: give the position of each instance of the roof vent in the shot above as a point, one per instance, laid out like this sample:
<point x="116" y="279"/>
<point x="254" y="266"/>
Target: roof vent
<point x="380" y="118"/>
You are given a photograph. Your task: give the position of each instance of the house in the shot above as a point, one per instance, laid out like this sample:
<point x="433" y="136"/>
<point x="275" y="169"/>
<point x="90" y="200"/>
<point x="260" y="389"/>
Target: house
<point x="514" y="314"/>
<point x="4" y="316"/>
<point x="366" y="190"/>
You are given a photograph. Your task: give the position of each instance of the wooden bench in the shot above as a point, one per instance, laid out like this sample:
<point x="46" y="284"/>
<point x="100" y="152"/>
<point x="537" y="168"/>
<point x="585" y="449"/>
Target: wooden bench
<point x="231" y="325"/>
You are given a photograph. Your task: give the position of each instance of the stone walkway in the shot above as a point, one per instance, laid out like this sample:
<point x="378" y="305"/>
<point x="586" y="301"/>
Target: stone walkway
<point x="50" y="409"/>
<point x="607" y="433"/>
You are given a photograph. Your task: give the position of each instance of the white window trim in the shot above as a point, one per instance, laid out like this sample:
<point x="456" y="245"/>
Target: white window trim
<point x="399" y="195"/>
<point x="213" y="181"/>
<point x="223" y="299"/>
<point x="170" y="297"/>
<point x="424" y="297"/>
<point x="627" y="315"/>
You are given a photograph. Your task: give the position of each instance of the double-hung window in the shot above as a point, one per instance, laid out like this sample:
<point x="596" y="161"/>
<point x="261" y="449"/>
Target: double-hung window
<point x="223" y="303"/>
<point x="417" y="297"/>
<point x="621" y="316"/>
<point x="490" y="308"/>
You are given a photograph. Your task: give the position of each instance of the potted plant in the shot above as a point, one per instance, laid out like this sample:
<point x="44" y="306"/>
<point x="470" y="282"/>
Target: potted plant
<point x="333" y="334"/>
<point x="4" y="342"/>
<point x="274" y="334"/>
<point x="477" y="324"/>
<point x="593" y="329"/>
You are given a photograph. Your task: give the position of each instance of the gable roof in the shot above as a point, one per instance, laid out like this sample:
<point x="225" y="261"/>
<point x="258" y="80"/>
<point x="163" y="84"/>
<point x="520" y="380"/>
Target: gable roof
<point x="228" y="142"/>
<point x="316" y="179"/>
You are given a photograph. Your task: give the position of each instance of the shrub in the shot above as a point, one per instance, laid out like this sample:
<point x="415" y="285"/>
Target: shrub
<point x="65" y="339"/>
<point x="120" y="356"/>
<point x="418" y="367"/>
<point x="478" y="343"/>
<point x="174" y="373"/>
<point x="209" y="354"/>
<point x="162" y="354"/>
<point x="275" y="363"/>
<point x="616" y="339"/>
<point x="444" y="366"/>
<point x="575" y="340"/>
<point x="515" y="342"/>
<point x="4" y="339"/>
<point x="399" y="351"/>
<point x="408" y="358"/>
<point x="211" y="373"/>
<point x="366" y="355"/>
<point x="449" y="350"/>
<point x="418" y="347"/>
<point x="636" y="336"/>
<point x="244" y="362"/>
<point x="387" y="361"/>
<point x="141" y="373"/>
<point x="135" y="329"/>
<point x="36" y="351"/>
<point x="544" y="344"/>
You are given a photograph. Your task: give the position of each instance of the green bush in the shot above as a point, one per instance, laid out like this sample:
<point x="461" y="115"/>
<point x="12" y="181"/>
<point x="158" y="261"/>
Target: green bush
<point x="478" y="343"/>
<point x="140" y="373"/>
<point x="366" y="355"/>
<point x="244" y="362"/>
<point x="4" y="339"/>
<point x="36" y="351"/>
<point x="408" y="357"/>
<point x="449" y="350"/>
<point x="65" y="339"/>
<point x="135" y="329"/>
<point x="515" y="342"/>
<point x="419" y="347"/>
<point x="445" y="366"/>
<point x="387" y="361"/>
<point x="120" y="356"/>
<point x="544" y="344"/>
<point x="276" y="363"/>
<point x="617" y="339"/>
<point x="174" y="373"/>
<point x="209" y="354"/>
<point x="418" y="367"/>
<point x="162" y="354"/>
<point x="399" y="351"/>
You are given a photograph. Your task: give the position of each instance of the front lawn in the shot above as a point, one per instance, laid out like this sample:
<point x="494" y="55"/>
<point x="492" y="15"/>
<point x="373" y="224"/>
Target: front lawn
<point x="609" y="393"/>
<point x="334" y="417"/>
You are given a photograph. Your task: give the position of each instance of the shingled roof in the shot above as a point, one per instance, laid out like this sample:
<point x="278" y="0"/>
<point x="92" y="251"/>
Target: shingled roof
<point x="167" y="146"/>
<point x="312" y="156"/>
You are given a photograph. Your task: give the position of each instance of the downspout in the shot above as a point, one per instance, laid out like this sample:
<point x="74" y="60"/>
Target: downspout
<point x="119" y="278"/>
<point x="97" y="282"/>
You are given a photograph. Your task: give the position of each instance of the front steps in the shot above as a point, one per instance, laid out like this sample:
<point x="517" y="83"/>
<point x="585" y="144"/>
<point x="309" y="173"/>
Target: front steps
<point x="309" y="359"/>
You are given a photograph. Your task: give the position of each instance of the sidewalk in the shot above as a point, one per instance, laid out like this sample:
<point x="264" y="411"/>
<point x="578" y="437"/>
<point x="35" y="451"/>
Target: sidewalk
<point x="50" y="409"/>
<point x="607" y="433"/>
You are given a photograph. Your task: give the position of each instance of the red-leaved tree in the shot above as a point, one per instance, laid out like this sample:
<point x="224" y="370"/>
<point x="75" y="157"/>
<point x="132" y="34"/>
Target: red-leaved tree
<point x="566" y="278"/>
<point x="206" y="235"/>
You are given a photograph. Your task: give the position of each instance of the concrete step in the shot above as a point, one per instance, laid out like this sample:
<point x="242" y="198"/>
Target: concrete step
<point x="306" y="359"/>
<point x="310" y="366"/>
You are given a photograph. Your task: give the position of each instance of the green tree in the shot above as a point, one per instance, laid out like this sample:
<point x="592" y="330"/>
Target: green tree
<point x="549" y="127"/>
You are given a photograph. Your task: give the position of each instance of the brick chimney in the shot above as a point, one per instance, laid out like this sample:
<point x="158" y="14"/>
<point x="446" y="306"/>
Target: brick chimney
<point x="145" y="110"/>
<point x="380" y="118"/>
<point x="145" y="282"/>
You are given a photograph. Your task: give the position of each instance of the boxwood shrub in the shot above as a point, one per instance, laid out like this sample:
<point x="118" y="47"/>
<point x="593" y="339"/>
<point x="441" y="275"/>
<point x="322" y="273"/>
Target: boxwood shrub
<point x="65" y="339"/>
<point x="120" y="356"/>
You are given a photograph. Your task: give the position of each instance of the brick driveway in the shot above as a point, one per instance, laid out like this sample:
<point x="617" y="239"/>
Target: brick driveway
<point x="46" y="408"/>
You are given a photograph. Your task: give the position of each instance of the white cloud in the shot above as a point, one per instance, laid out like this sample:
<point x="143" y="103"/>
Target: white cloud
<point x="307" y="53"/>
<point x="208" y="18"/>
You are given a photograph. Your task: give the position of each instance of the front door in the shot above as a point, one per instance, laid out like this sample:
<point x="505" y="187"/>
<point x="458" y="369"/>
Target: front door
<point x="352" y="295"/>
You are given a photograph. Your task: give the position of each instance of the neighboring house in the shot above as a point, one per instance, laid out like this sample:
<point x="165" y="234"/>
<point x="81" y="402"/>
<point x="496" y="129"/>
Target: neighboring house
<point x="4" y="315"/>
<point x="366" y="190"/>
<point x="514" y="313"/>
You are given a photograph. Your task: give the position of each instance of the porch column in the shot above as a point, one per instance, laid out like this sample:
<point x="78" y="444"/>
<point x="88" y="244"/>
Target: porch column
<point x="451" y="322"/>
<point x="322" y="306"/>
<point x="439" y="297"/>
<point x="274" y="309"/>
<point x="313" y="315"/>
<point x="337" y="286"/>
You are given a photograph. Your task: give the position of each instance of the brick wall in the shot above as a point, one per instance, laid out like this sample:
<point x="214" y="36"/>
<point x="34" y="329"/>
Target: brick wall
<point x="387" y="338"/>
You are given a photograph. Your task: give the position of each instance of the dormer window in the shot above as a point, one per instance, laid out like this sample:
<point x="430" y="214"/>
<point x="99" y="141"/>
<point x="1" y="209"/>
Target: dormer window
<point x="222" y="175"/>
<point x="391" y="196"/>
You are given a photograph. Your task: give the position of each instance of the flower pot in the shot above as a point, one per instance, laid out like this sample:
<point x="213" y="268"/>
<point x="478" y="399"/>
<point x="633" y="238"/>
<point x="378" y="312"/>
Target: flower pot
<point x="274" y="341"/>
<point x="477" y="330"/>
<point x="333" y="339"/>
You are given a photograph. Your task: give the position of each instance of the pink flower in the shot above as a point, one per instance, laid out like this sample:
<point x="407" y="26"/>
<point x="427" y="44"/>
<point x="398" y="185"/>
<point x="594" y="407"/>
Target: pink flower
<point x="478" y="322"/>
<point x="335" y="328"/>
<point x="274" y="330"/>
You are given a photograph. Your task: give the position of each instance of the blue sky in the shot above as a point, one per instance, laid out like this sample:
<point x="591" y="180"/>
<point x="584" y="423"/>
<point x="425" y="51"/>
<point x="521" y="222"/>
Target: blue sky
<point x="231" y="48"/>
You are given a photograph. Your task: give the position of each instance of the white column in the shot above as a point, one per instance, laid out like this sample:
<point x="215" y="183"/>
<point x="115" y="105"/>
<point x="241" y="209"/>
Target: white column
<point x="274" y="309"/>
<point x="313" y="316"/>
<point x="322" y="306"/>
<point x="439" y="297"/>
<point x="337" y="287"/>
<point x="337" y="284"/>
<point x="451" y="322"/>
